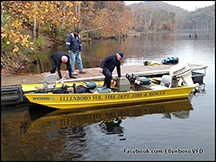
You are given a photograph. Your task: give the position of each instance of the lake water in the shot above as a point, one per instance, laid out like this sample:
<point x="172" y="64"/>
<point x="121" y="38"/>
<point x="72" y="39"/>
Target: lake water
<point x="174" y="130"/>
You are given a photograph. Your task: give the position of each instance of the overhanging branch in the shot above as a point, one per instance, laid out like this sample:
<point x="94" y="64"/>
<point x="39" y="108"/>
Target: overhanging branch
<point x="84" y="31"/>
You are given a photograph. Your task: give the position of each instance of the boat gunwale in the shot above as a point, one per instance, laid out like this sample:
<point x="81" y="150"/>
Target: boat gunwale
<point x="141" y="91"/>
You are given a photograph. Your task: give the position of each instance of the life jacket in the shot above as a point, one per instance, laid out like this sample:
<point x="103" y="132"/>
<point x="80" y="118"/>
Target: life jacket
<point x="170" y="60"/>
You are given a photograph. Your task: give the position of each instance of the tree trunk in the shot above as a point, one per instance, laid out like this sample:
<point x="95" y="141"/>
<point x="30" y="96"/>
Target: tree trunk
<point x="75" y="12"/>
<point x="1" y="12"/>
<point x="38" y="30"/>
<point x="34" y="27"/>
<point x="63" y="16"/>
<point x="79" y="15"/>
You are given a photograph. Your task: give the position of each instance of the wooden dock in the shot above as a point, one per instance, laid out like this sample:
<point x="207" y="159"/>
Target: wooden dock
<point x="10" y="84"/>
<point x="16" y="81"/>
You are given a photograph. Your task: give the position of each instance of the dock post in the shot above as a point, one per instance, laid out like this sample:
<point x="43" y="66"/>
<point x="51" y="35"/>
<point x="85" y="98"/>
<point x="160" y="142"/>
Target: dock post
<point x="19" y="90"/>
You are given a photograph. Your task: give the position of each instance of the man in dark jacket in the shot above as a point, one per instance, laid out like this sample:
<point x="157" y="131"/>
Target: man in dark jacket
<point x="108" y="65"/>
<point x="74" y="48"/>
<point x="56" y="59"/>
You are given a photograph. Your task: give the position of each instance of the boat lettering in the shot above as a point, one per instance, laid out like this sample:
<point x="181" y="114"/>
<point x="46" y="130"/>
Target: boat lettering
<point x="124" y="113"/>
<point x="156" y="93"/>
<point x="41" y="98"/>
<point x="97" y="116"/>
<point x="75" y="98"/>
<point x="97" y="98"/>
<point x="137" y="95"/>
<point x="159" y="109"/>
<point x="124" y="96"/>
<point x="109" y="97"/>
<point x="110" y="115"/>
<point x="79" y="119"/>
<point x="137" y="111"/>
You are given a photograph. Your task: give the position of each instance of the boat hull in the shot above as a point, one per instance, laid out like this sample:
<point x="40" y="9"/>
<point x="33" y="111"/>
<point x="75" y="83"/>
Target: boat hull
<point x="70" y="101"/>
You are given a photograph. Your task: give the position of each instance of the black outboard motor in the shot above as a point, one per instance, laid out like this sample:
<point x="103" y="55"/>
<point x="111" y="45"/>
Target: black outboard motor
<point x="131" y="78"/>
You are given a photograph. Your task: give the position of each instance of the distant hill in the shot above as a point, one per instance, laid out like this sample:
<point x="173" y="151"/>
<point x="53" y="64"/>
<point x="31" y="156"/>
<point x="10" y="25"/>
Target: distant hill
<point x="203" y="18"/>
<point x="160" y="6"/>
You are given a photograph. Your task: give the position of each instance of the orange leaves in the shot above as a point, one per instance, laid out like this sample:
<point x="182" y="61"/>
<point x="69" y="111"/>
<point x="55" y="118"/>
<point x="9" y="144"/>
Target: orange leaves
<point x="23" y="12"/>
<point x="16" y="49"/>
<point x="112" y="16"/>
<point x="69" y="4"/>
<point x="77" y="3"/>
<point x="12" y="35"/>
<point x="20" y="15"/>
<point x="70" y="13"/>
<point x="3" y="36"/>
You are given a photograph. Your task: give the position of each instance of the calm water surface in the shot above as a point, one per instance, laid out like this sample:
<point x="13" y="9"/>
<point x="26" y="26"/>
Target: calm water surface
<point x="176" y="130"/>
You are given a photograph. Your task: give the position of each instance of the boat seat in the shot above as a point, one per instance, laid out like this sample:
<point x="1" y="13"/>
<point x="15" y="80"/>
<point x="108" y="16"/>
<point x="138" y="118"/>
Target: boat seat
<point x="166" y="82"/>
<point x="49" y="82"/>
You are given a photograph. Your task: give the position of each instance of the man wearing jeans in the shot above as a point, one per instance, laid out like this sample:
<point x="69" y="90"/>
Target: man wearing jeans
<point x="74" y="48"/>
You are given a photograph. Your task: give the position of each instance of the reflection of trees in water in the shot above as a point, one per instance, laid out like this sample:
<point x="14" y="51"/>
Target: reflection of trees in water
<point x="74" y="143"/>
<point x="74" y="131"/>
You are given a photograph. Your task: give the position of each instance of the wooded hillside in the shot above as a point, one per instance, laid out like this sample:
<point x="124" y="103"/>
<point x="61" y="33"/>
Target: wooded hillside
<point x="27" y="26"/>
<point x="203" y="18"/>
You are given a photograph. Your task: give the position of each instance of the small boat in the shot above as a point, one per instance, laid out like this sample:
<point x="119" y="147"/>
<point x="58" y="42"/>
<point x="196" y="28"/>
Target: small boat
<point x="132" y="89"/>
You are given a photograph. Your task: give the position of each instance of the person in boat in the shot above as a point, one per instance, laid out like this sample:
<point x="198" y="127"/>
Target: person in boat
<point x="56" y="59"/>
<point x="74" y="48"/>
<point x="107" y="66"/>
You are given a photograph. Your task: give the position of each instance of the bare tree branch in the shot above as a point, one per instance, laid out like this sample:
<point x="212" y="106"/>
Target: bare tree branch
<point x="84" y="31"/>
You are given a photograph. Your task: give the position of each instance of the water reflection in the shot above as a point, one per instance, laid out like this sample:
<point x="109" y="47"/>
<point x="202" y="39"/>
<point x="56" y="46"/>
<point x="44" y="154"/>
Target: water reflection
<point x="63" y="135"/>
<point x="152" y="47"/>
<point x="109" y="119"/>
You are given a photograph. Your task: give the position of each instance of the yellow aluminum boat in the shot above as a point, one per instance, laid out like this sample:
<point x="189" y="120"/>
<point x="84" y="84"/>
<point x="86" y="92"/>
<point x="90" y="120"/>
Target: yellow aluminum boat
<point x="132" y="89"/>
<point x="81" y="100"/>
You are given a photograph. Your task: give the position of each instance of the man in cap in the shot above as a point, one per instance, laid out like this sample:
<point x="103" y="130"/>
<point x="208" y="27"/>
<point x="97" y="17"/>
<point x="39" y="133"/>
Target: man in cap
<point x="56" y="59"/>
<point x="108" y="65"/>
<point x="74" y="48"/>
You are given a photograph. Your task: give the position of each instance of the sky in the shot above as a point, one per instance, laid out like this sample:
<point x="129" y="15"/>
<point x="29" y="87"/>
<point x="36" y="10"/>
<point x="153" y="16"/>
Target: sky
<point x="187" y="5"/>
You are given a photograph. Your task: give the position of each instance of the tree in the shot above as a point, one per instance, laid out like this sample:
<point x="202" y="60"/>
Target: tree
<point x="19" y="22"/>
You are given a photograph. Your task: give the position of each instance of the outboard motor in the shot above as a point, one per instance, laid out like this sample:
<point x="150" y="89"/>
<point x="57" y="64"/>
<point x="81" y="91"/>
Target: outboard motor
<point x="183" y="73"/>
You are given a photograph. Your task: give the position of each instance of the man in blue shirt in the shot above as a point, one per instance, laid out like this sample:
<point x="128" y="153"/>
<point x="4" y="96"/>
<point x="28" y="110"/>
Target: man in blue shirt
<point x="74" y="48"/>
<point x="108" y="65"/>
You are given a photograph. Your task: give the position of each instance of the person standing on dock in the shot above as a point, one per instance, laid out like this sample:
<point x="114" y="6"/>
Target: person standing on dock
<point x="107" y="66"/>
<point x="74" y="48"/>
<point x="195" y="33"/>
<point x="56" y="59"/>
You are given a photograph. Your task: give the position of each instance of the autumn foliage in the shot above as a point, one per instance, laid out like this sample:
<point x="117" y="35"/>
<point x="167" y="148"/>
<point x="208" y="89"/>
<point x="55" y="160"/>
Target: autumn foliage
<point x="25" y="23"/>
<point x="22" y="21"/>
